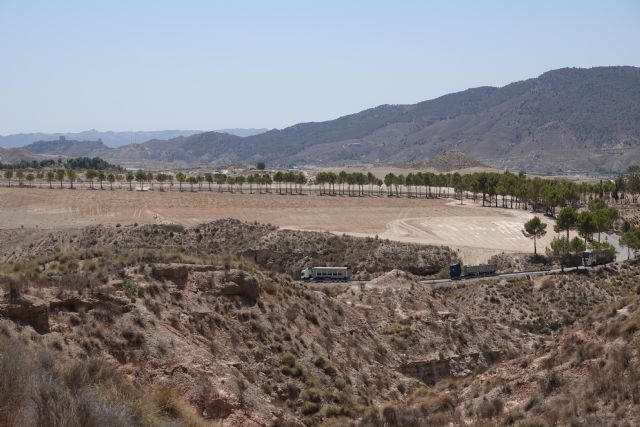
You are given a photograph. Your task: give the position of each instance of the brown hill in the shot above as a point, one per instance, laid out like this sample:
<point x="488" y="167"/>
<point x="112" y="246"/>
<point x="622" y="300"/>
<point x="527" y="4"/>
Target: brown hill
<point x="209" y="147"/>
<point x="69" y="148"/>
<point x="16" y="155"/>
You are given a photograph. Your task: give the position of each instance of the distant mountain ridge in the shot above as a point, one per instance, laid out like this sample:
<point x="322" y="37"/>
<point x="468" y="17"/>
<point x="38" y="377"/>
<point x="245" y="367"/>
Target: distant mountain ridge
<point x="564" y="121"/>
<point x="114" y="139"/>
<point x="16" y="155"/>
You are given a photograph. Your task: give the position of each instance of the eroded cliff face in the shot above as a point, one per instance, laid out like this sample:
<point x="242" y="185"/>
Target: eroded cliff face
<point x="463" y="365"/>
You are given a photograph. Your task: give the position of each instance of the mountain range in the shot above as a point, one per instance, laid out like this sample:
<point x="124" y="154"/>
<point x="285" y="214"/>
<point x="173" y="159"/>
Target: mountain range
<point x="111" y="138"/>
<point x="564" y="121"/>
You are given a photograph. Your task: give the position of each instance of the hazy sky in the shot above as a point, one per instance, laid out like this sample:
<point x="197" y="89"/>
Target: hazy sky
<point x="147" y="65"/>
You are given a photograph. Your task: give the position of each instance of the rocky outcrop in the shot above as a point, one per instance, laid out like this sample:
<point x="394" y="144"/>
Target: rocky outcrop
<point x="176" y="273"/>
<point x="27" y="311"/>
<point x="427" y="371"/>
<point x="73" y="304"/>
<point x="112" y="303"/>
<point x="236" y="282"/>
<point x="218" y="408"/>
<point x="432" y="371"/>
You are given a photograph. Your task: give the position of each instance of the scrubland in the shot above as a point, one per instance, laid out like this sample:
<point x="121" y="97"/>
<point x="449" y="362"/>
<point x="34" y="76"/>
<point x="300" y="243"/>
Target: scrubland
<point x="158" y="324"/>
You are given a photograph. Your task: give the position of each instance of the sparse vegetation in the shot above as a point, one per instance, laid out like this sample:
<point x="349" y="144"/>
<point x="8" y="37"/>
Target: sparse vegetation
<point x="324" y="354"/>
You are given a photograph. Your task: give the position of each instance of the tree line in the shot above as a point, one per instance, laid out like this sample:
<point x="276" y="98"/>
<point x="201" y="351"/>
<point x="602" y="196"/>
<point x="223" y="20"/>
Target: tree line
<point x="78" y="163"/>
<point x="506" y="189"/>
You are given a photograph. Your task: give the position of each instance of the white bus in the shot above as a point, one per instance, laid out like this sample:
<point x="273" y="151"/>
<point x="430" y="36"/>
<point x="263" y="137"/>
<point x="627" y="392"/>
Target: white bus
<point x="329" y="274"/>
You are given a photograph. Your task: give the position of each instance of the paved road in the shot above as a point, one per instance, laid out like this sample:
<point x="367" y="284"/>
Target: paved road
<point x="506" y="275"/>
<point x="467" y="279"/>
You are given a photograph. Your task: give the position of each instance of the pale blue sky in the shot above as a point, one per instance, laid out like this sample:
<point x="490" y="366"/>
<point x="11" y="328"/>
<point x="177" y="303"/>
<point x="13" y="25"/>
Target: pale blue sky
<point x="152" y="64"/>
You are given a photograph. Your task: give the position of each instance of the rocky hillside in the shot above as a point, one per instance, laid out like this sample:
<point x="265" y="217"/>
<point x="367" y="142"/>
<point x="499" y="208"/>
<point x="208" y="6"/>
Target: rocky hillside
<point x="118" y="324"/>
<point x="586" y="374"/>
<point x="70" y="148"/>
<point x="279" y="250"/>
<point x="202" y="148"/>
<point x="562" y="121"/>
<point x="565" y="119"/>
<point x="16" y="155"/>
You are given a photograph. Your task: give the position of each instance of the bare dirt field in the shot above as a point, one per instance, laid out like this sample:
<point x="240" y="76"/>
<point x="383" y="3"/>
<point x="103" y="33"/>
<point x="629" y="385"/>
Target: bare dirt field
<point x="475" y="231"/>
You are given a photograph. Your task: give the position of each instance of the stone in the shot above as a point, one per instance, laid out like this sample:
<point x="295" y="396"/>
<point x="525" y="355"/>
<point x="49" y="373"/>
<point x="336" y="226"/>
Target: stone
<point x="237" y="282"/>
<point x="27" y="312"/>
<point x="73" y="304"/>
<point x="176" y="273"/>
<point x="218" y="408"/>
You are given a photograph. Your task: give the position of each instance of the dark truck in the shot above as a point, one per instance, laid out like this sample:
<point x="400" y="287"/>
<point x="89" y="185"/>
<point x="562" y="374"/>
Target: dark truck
<point x="597" y="257"/>
<point x="459" y="271"/>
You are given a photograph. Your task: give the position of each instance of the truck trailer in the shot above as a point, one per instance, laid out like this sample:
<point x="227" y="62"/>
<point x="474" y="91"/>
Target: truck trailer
<point x="458" y="271"/>
<point x="329" y="274"/>
<point x="597" y="257"/>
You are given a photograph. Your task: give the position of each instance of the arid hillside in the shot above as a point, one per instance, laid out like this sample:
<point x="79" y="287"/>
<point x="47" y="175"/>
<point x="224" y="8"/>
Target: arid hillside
<point x="587" y="374"/>
<point x="16" y="155"/>
<point x="149" y="325"/>
<point x="280" y="250"/>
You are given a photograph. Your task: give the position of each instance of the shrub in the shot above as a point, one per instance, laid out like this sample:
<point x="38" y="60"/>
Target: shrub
<point x="14" y="372"/>
<point x="309" y="408"/>
<point x="330" y="370"/>
<point x="75" y="393"/>
<point x="320" y="362"/>
<point x="312" y="394"/>
<point x="551" y="382"/>
<point x="490" y="408"/>
<point x="532" y="422"/>
<point x="289" y="359"/>
<point x="512" y="417"/>
<point x="293" y="371"/>
<point x="129" y="287"/>
<point x="335" y="411"/>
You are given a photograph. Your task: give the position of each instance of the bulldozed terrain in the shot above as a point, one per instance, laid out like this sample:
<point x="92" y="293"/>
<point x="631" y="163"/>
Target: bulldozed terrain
<point x="206" y="325"/>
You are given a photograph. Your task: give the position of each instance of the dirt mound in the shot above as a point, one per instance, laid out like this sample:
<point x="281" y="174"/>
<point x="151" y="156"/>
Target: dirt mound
<point x="451" y="160"/>
<point x="394" y="278"/>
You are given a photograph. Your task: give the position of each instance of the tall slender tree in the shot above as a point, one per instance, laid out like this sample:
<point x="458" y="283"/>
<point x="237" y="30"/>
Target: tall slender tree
<point x="130" y="177"/>
<point x="8" y="174"/>
<point x="101" y="177"/>
<point x="111" y="178"/>
<point x="180" y="177"/>
<point x="71" y="177"/>
<point x="60" y="175"/>
<point x="567" y="220"/>
<point x="534" y="229"/>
